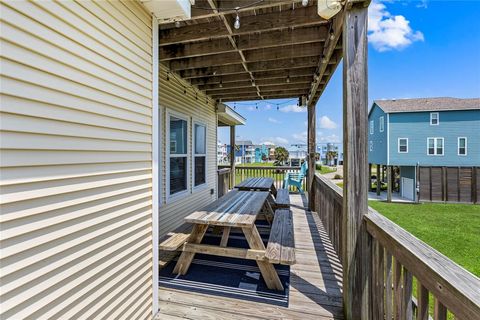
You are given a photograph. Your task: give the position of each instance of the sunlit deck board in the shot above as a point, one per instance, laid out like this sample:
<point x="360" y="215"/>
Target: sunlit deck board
<point x="315" y="283"/>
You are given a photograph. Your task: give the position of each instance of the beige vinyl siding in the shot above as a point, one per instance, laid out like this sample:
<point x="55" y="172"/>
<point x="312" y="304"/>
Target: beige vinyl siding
<point x="76" y="152"/>
<point x="171" y="97"/>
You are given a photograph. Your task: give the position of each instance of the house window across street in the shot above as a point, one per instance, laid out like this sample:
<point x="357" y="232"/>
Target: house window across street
<point x="435" y="146"/>
<point x="462" y="146"/>
<point x="402" y="145"/>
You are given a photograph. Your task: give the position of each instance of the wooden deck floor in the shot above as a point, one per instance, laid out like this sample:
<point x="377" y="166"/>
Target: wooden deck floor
<point x="315" y="283"/>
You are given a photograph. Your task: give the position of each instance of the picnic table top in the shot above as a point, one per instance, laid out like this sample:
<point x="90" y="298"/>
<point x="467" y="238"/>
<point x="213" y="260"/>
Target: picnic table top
<point x="235" y="209"/>
<point x="256" y="183"/>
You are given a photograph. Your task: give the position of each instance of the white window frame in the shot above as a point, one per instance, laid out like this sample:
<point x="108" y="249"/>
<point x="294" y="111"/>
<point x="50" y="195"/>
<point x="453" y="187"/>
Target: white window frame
<point x="371" y="145"/>
<point x="458" y="146"/>
<point x="381" y="125"/>
<point x="399" y="145"/>
<point x="203" y="185"/>
<point x="435" y="139"/>
<point x="431" y="118"/>
<point x="187" y="191"/>
<point x="372" y="126"/>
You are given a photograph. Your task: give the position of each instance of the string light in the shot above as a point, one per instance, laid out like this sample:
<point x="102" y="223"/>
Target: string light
<point x="177" y="24"/>
<point x="253" y="83"/>
<point x="256" y="105"/>
<point x="324" y="59"/>
<point x="184" y="90"/>
<point x="278" y="108"/>
<point x="332" y="34"/>
<point x="236" y="25"/>
<point x="196" y="95"/>
<point x="234" y="105"/>
<point x="168" y="76"/>
<point x="221" y="84"/>
<point x="304" y="3"/>
<point x="288" y="78"/>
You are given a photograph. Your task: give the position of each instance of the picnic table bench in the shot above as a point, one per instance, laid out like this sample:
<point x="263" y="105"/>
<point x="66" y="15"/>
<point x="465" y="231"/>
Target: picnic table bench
<point x="239" y="209"/>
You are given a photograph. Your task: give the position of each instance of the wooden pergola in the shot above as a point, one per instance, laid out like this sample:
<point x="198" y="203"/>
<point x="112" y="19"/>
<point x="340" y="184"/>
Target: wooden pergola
<point x="283" y="49"/>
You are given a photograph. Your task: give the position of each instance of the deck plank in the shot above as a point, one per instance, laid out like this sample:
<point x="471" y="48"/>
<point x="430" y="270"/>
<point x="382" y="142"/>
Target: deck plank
<point x="315" y="283"/>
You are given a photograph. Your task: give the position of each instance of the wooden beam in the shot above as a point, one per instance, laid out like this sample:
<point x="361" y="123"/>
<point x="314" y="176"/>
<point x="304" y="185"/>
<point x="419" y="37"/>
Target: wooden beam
<point x="245" y="92"/>
<point x="330" y="45"/>
<point x="261" y="75"/>
<point x="307" y="16"/>
<point x="206" y="61"/>
<point x="258" y="82"/>
<point x="356" y="246"/>
<point x="212" y="71"/>
<point x="228" y="7"/>
<point x="275" y="38"/>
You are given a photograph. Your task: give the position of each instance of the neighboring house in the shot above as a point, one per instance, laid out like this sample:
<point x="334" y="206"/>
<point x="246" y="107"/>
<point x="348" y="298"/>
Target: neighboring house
<point x="324" y="148"/>
<point x="261" y="152"/>
<point x="427" y="133"/>
<point x="222" y="154"/>
<point x="93" y="156"/>
<point x="244" y="151"/>
<point x="296" y="154"/>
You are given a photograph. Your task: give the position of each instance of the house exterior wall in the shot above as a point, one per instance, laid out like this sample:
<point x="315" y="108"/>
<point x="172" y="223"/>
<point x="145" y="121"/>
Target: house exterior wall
<point x="378" y="139"/>
<point x="172" y="99"/>
<point x="76" y="152"/>
<point x="416" y="127"/>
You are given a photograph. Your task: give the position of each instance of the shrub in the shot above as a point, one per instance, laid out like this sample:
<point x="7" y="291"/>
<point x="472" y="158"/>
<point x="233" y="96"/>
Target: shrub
<point x="337" y="176"/>
<point x="318" y="166"/>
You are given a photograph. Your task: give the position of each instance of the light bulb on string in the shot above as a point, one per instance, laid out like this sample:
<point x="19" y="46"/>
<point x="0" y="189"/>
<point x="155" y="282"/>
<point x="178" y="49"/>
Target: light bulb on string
<point x="288" y="78"/>
<point x="304" y="3"/>
<point x="236" y="25"/>
<point x="332" y="34"/>
<point x="221" y="84"/>
<point x="256" y="105"/>
<point x="168" y="76"/>
<point x="234" y="105"/>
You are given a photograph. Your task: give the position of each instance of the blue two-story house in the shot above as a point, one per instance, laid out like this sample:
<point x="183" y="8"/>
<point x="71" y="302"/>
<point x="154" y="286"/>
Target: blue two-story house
<point x="429" y="134"/>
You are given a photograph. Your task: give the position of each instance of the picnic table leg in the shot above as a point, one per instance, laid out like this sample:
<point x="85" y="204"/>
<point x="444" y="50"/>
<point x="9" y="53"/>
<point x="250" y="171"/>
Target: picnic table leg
<point x="183" y="263"/>
<point x="274" y="190"/>
<point x="268" y="212"/>
<point x="267" y="270"/>
<point x="225" y="235"/>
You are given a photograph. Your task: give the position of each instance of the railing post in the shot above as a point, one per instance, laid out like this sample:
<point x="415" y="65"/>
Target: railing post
<point x="232" y="156"/>
<point x="356" y="241"/>
<point x="311" y="156"/>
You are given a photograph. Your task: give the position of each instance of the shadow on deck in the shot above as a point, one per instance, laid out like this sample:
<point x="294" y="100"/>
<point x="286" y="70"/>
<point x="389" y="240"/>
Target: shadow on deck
<point x="315" y="283"/>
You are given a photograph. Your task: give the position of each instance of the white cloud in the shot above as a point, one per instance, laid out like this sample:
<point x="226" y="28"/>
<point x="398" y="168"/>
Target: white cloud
<point x="293" y="108"/>
<point x="422" y="4"/>
<point x="330" y="138"/>
<point x="387" y="32"/>
<point x="302" y="136"/>
<point x="321" y="137"/>
<point x="326" y="123"/>
<point x="275" y="140"/>
<point x="273" y="120"/>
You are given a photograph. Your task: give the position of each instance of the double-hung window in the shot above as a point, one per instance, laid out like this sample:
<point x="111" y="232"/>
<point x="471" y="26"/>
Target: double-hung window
<point x="371" y="126"/>
<point x="177" y="154"/>
<point x="402" y="145"/>
<point x="381" y="125"/>
<point x="434" y="118"/>
<point x="435" y="146"/>
<point x="462" y="146"/>
<point x="199" y="154"/>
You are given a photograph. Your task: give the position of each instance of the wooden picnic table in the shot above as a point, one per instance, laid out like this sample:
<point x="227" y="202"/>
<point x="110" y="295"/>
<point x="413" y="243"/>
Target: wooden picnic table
<point x="258" y="184"/>
<point x="238" y="209"/>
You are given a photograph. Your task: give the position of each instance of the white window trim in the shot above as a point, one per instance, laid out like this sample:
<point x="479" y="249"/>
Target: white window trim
<point x="372" y="126"/>
<point x="205" y="184"/>
<point x="187" y="191"/>
<point x="435" y="146"/>
<point x="399" y="145"/>
<point x="438" y="118"/>
<point x="458" y="146"/>
<point x="381" y="125"/>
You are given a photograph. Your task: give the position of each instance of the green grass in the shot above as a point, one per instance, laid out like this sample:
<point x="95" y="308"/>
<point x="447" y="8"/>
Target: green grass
<point x="340" y="184"/>
<point x="325" y="170"/>
<point x="452" y="229"/>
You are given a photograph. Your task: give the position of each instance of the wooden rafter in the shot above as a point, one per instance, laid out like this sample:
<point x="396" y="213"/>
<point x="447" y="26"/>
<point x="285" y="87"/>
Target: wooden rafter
<point x="258" y="82"/>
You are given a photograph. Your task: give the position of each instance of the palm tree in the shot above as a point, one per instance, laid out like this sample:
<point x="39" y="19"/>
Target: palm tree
<point x="281" y="154"/>
<point x="331" y="155"/>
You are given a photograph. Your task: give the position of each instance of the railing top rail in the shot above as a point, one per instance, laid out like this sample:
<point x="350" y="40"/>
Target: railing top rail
<point x="335" y="189"/>
<point x="455" y="287"/>
<point x="263" y="167"/>
<point x="223" y="170"/>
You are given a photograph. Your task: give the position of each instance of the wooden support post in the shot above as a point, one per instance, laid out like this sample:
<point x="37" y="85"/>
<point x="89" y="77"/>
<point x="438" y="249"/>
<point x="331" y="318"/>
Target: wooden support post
<point x="389" y="183"/>
<point x="311" y="156"/>
<point x="356" y="241"/>
<point x="232" y="157"/>
<point x="379" y="183"/>
<point x="370" y="177"/>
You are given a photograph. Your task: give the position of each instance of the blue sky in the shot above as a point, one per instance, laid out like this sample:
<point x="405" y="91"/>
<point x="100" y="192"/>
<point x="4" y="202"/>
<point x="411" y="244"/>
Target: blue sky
<point x="416" y="49"/>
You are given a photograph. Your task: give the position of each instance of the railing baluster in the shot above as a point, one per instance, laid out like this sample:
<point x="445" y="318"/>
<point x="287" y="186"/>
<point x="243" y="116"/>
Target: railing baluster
<point x="439" y="311"/>
<point x="378" y="280"/>
<point x="407" y="304"/>
<point x="397" y="287"/>
<point x="388" y="287"/>
<point x="422" y="302"/>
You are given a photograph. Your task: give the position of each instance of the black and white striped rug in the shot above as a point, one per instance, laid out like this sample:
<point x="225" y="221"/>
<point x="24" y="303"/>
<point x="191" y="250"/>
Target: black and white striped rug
<point x="228" y="277"/>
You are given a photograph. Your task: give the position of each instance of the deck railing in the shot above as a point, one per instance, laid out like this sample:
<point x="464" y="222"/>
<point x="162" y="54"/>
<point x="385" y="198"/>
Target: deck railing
<point x="276" y="173"/>
<point x="223" y="176"/>
<point x="398" y="261"/>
